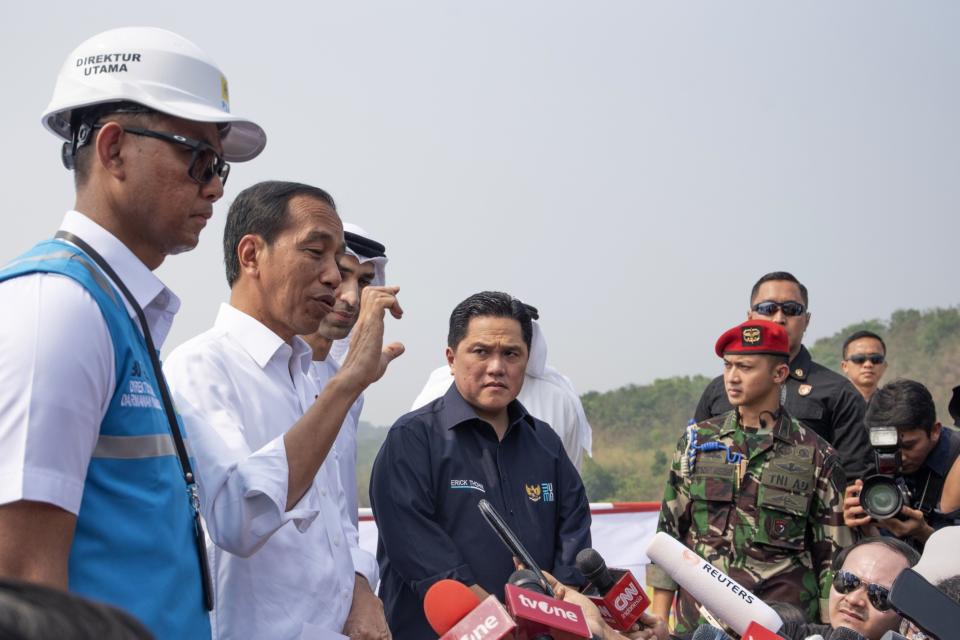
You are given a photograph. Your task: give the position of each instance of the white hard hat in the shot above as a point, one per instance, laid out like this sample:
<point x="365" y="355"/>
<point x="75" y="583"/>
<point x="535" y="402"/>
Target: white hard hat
<point x="157" y="69"/>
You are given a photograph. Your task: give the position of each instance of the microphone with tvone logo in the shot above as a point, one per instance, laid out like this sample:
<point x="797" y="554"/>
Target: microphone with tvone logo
<point x="539" y="616"/>
<point x="617" y="594"/>
<point x="723" y="596"/>
<point x="456" y="613"/>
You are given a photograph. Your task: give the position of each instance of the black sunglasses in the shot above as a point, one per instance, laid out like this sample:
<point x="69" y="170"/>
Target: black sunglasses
<point x="845" y="582"/>
<point x="874" y="358"/>
<point x="769" y="308"/>
<point x="205" y="162"/>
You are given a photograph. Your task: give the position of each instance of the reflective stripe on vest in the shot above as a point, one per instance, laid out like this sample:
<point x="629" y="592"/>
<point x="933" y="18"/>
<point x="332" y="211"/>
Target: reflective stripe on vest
<point x="133" y="447"/>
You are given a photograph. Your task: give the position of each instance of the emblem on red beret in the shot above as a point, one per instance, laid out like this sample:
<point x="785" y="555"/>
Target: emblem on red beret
<point x="750" y="336"/>
<point x="759" y="337"/>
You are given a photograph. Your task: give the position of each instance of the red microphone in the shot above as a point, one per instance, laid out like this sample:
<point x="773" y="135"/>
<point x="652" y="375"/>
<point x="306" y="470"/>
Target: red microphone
<point x="540" y="617"/>
<point x="456" y="613"/>
<point x="617" y="594"/>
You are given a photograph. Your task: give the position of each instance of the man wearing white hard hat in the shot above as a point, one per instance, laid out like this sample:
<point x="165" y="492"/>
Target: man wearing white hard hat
<point x="97" y="493"/>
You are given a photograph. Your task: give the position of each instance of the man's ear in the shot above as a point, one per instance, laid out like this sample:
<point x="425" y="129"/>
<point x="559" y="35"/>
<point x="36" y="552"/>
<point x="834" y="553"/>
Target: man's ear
<point x="780" y="373"/>
<point x="249" y="251"/>
<point x="108" y="145"/>
<point x="450" y="354"/>
<point x="935" y="431"/>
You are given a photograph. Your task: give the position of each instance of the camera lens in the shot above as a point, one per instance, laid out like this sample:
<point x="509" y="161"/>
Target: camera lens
<point x="881" y="497"/>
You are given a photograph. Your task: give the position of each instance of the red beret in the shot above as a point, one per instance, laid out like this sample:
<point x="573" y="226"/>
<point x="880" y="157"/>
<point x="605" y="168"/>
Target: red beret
<point x="755" y="337"/>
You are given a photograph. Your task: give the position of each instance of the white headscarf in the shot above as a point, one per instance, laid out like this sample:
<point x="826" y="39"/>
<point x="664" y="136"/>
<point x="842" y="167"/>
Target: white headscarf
<point x="339" y="348"/>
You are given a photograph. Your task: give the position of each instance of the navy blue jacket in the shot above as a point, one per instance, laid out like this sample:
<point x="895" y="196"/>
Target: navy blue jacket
<point x="436" y="464"/>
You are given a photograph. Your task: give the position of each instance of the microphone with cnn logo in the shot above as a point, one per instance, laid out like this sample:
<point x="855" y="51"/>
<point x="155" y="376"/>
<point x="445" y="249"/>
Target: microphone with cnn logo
<point x="617" y="594"/>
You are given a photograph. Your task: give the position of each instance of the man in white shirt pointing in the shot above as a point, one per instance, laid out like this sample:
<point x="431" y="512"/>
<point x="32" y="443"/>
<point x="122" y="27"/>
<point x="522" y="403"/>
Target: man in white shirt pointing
<point x="263" y="435"/>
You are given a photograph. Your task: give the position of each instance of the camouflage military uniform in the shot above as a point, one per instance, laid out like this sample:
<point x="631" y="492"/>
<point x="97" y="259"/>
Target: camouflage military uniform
<point x="773" y="522"/>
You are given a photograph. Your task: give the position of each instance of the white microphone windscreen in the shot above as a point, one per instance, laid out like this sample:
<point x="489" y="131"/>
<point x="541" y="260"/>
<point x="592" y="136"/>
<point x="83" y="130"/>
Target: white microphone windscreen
<point x="720" y="594"/>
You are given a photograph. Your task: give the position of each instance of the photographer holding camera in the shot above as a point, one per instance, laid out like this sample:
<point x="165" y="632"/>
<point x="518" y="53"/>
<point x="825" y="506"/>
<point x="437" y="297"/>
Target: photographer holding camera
<point x="914" y="454"/>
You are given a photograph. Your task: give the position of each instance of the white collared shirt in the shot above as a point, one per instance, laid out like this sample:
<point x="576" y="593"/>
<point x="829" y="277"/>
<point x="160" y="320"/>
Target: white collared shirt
<point x="57" y="369"/>
<point x="345" y="447"/>
<point x="239" y="388"/>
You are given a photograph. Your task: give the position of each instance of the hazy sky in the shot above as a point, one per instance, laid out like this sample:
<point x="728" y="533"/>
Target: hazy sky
<point x="630" y="168"/>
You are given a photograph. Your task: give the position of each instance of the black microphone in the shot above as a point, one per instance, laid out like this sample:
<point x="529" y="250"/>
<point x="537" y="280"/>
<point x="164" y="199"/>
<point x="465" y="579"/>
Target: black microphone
<point x="844" y="633"/>
<point x="594" y="569"/>
<point x="753" y="632"/>
<point x="617" y="594"/>
<point x="709" y="632"/>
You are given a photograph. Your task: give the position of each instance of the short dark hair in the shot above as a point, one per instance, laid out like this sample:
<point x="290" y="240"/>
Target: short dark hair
<point x="262" y="210"/>
<point x="101" y="113"/>
<point x="780" y="275"/>
<point x="860" y="335"/>
<point x="32" y="611"/>
<point x="911" y="555"/>
<point x="904" y="404"/>
<point x="489" y="304"/>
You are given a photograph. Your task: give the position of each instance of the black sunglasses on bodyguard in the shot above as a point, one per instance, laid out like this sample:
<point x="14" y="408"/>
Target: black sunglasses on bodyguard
<point x="769" y="308"/>
<point x="205" y="162"/>
<point x="845" y="582"/>
<point x="874" y="358"/>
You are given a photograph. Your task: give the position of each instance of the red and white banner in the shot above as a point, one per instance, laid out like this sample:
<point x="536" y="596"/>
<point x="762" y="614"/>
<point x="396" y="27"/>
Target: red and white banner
<point x="621" y="532"/>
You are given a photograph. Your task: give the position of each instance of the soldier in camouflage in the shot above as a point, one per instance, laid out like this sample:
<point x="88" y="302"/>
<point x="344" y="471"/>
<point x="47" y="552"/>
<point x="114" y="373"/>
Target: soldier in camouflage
<point x="753" y="491"/>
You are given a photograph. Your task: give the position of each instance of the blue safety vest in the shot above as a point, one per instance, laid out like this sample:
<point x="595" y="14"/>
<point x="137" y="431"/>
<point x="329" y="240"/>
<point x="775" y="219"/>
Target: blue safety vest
<point x="133" y="546"/>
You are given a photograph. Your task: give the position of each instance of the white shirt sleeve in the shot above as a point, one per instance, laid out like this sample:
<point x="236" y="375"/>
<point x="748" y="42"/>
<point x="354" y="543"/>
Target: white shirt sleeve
<point x="56" y="382"/>
<point x="243" y="493"/>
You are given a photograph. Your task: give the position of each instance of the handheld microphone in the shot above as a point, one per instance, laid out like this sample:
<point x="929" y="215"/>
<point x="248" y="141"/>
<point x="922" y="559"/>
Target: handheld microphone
<point x="709" y="632"/>
<point x="539" y="616"/>
<point x="844" y="633"/>
<point x="914" y="595"/>
<point x="511" y="541"/>
<point x="753" y="632"/>
<point x="617" y="594"/>
<point x="456" y="613"/>
<point x="712" y="588"/>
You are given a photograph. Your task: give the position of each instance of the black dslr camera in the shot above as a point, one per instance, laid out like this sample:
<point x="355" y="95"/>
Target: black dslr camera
<point x="885" y="492"/>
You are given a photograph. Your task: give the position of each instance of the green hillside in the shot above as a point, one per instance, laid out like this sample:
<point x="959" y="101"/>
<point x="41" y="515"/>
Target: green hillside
<point x="636" y="427"/>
